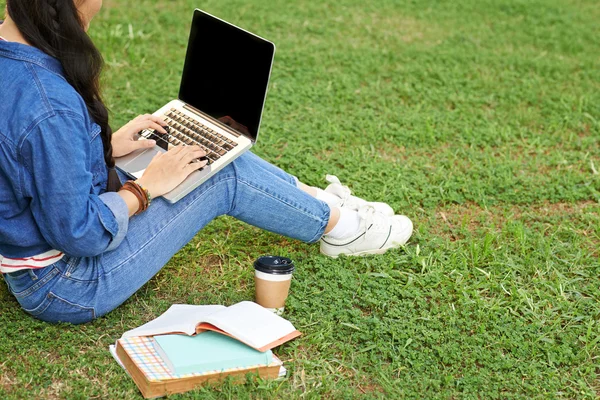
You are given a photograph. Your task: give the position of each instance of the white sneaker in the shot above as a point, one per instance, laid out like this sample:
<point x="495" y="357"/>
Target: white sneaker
<point x="347" y="200"/>
<point x="377" y="234"/>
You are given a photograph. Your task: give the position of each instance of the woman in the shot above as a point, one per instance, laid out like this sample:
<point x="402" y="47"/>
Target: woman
<point x="76" y="238"/>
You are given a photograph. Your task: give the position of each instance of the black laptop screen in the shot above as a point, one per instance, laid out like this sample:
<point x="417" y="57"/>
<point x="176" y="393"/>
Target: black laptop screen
<point x="226" y="73"/>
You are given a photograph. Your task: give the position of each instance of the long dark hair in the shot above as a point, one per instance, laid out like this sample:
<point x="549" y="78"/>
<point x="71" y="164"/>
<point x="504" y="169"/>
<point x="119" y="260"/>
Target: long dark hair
<point x="56" y="28"/>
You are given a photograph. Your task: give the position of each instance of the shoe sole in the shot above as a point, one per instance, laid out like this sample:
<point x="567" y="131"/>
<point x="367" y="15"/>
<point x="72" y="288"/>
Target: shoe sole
<point x="365" y="252"/>
<point x="360" y="253"/>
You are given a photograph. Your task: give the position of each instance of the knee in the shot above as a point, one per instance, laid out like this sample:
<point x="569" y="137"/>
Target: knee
<point x="244" y="160"/>
<point x="244" y="166"/>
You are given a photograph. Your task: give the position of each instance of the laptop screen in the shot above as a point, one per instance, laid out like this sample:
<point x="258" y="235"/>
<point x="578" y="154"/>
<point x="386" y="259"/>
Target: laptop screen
<point x="226" y="73"/>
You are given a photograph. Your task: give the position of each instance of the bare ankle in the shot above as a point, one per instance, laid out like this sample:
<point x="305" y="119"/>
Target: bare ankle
<point x="334" y="217"/>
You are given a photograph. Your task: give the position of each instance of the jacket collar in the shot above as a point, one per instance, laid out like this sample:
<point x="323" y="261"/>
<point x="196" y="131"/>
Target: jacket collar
<point x="23" y="52"/>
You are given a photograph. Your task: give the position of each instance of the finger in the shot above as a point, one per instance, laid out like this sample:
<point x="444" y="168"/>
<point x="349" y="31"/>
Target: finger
<point x="159" y="127"/>
<point x="193" y="149"/>
<point x="147" y="124"/>
<point x="189" y="168"/>
<point x="154" y="125"/>
<point x="144" y="144"/>
<point x="175" y="150"/>
<point x="197" y="149"/>
<point x="191" y="156"/>
<point x="158" y="120"/>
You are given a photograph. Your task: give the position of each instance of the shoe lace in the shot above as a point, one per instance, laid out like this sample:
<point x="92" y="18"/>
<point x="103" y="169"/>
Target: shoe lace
<point x="367" y="213"/>
<point x="346" y="194"/>
<point x="372" y="217"/>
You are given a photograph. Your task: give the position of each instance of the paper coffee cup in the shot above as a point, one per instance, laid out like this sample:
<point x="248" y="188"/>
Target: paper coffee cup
<point x="272" y="279"/>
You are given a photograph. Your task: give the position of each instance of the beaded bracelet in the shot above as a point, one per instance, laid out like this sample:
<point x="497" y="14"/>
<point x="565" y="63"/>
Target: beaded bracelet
<point x="146" y="192"/>
<point x="141" y="194"/>
<point x="133" y="188"/>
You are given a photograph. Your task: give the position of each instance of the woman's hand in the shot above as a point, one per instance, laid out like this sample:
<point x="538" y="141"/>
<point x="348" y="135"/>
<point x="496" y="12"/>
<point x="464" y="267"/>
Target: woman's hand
<point x="167" y="170"/>
<point x="125" y="140"/>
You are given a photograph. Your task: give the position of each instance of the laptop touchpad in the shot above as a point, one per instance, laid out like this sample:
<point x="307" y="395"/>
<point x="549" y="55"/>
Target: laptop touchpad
<point x="138" y="164"/>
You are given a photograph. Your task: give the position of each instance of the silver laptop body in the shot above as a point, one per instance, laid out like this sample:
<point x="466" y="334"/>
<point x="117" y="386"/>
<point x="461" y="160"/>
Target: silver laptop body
<point x="221" y="99"/>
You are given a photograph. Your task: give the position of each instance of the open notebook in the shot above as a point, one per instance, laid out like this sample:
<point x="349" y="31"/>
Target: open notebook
<point x="246" y="321"/>
<point x="155" y="372"/>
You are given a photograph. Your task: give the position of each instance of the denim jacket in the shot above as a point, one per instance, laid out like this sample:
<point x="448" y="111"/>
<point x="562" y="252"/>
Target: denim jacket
<point x="52" y="169"/>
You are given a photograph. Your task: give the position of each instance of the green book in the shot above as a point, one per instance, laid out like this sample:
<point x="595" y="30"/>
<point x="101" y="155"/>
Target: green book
<point x="207" y="351"/>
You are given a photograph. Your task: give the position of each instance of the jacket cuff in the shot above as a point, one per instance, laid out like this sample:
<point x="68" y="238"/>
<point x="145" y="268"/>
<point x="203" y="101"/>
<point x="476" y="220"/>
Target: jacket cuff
<point x="117" y="223"/>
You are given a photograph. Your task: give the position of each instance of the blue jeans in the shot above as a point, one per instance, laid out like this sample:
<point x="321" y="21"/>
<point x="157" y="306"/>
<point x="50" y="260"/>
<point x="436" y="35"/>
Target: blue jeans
<point x="77" y="290"/>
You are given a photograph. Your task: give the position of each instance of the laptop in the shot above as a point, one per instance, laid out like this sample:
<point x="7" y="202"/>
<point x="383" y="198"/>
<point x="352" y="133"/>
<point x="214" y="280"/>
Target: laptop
<point x="220" y="103"/>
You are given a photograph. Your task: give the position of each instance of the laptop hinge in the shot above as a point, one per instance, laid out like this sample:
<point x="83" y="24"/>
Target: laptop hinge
<point x="215" y="121"/>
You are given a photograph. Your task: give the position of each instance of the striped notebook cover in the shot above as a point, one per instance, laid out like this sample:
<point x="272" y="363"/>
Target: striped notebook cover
<point x="147" y="360"/>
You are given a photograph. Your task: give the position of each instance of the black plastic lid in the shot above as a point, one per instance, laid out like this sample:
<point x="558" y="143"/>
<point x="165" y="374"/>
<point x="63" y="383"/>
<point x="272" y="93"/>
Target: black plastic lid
<point x="274" y="265"/>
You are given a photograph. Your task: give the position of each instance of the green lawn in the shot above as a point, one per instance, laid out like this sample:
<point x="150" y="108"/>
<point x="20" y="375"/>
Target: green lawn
<point x="478" y="119"/>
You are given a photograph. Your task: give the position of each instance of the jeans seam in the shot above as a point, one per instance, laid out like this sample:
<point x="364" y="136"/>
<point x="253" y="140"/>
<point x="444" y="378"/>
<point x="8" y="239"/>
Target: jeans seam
<point x="72" y="263"/>
<point x="321" y="230"/>
<point x="303" y="211"/>
<point x="35" y="312"/>
<point x="55" y="271"/>
<point x="164" y="227"/>
<point x="319" y="233"/>
<point x="234" y="200"/>
<point x="83" y="308"/>
<point x="292" y="179"/>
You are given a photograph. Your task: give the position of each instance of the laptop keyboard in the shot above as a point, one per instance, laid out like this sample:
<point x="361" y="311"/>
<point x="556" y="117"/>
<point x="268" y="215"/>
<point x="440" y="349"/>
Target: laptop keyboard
<point x="183" y="130"/>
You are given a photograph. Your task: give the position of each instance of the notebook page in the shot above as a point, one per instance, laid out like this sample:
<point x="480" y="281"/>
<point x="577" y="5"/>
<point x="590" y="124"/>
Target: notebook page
<point x="178" y="318"/>
<point x="113" y="352"/>
<point x="251" y="323"/>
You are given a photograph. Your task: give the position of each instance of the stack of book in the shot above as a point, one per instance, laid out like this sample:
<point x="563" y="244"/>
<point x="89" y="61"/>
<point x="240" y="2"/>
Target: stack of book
<point x="188" y="346"/>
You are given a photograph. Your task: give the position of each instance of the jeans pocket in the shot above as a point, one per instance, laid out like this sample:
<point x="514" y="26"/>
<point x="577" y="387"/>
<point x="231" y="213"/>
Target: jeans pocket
<point x="25" y="283"/>
<point x="56" y="309"/>
<point x="82" y="269"/>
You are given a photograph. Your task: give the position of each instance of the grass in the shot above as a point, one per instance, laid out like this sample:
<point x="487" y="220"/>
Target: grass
<point x="478" y="119"/>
